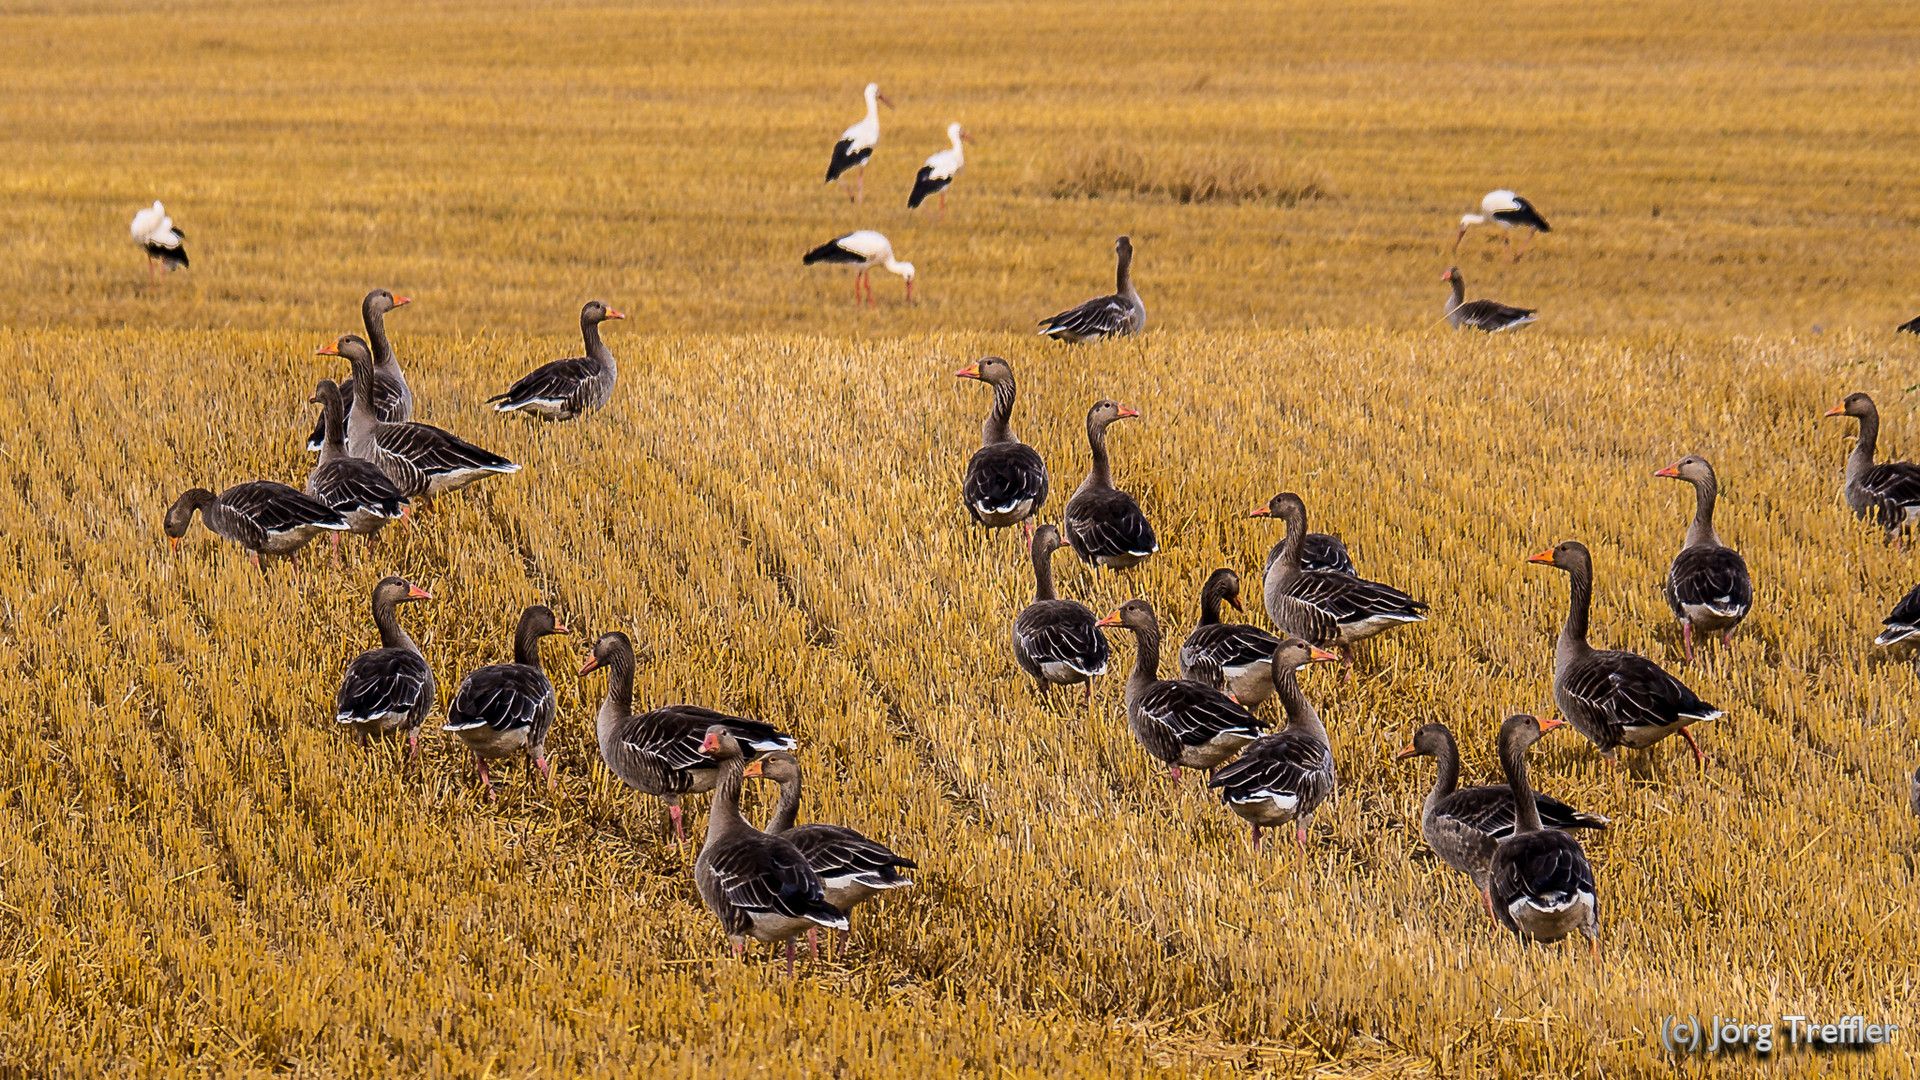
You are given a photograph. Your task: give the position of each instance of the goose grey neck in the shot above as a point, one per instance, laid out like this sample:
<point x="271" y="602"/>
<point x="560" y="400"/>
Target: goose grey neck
<point x="1700" y="534"/>
<point x="333" y="445"/>
<point x="999" y="428"/>
<point x="376" y="322"/>
<point x="723" y="817"/>
<point x="526" y="642"/>
<point x="1301" y="715"/>
<point x="787" y="813"/>
<point x="1293" y="548"/>
<point x="596" y="349"/>
<point x="1100" y="473"/>
<point x="1123" y="274"/>
<point x="1459" y="294"/>
<point x="1210" y="606"/>
<point x="1042" y="574"/>
<point x="387" y="619"/>
<point x="1513" y="756"/>
<point x="1862" y="457"/>
<point x="361" y="420"/>
<point x="618" y="703"/>
<point x="1146" y="663"/>
<point x="1573" y="635"/>
<point x="1446" y="775"/>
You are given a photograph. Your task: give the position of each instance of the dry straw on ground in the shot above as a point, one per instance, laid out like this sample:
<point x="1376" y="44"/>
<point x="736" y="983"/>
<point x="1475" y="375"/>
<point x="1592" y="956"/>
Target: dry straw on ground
<point x="201" y="876"/>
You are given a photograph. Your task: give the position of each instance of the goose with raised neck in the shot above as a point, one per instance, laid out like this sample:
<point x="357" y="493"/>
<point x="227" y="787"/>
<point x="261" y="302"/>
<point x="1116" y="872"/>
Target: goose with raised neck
<point x="1613" y="698"/>
<point x="657" y="753"/>
<point x="1326" y="608"/>
<point x="390" y="688"/>
<point x="1104" y="525"/>
<point x="1006" y="480"/>
<point x="1888" y="493"/>
<point x="1178" y="722"/>
<point x="392" y="397"/>
<point x="1241" y="652"/>
<point x="1287" y="775"/>
<point x="563" y="389"/>
<point x="1708" y="588"/>
<point x="1056" y="642"/>
<point x="504" y="709"/>
<point x="358" y="490"/>
<point x="757" y="885"/>
<point x="1118" y="314"/>
<point x="420" y="459"/>
<point x="1539" y="883"/>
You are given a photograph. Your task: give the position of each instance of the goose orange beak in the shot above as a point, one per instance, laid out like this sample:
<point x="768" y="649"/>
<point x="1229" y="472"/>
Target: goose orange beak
<point x="1126" y="412"/>
<point x="710" y="745"/>
<point x="1111" y="620"/>
<point x="971" y="371"/>
<point x="559" y="629"/>
<point x="592" y="664"/>
<point x="1837" y="410"/>
<point x="1672" y="472"/>
<point x="1545" y="558"/>
<point x="1260" y="511"/>
<point x="402" y="301"/>
<point x="1549" y="723"/>
<point x="331" y="348"/>
<point x="415" y="592"/>
<point x="1406" y="753"/>
<point x="752" y="770"/>
<point x="1237" y="605"/>
<point x="612" y="314"/>
<point x="173" y="544"/>
<point x="1315" y="656"/>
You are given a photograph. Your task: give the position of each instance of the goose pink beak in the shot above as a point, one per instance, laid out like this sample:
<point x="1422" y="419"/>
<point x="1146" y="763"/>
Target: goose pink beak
<point x="415" y="592"/>
<point x="1126" y="412"/>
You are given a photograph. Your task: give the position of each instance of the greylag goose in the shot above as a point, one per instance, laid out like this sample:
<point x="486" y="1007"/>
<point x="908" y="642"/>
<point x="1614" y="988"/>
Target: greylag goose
<point x="1320" y="552"/>
<point x="1177" y="721"/>
<point x="1903" y="622"/>
<point x="264" y="517"/>
<point x="1707" y="584"/>
<point x="1103" y="524"/>
<point x="1911" y="326"/>
<point x="1464" y="825"/>
<point x="1326" y="607"/>
<point x="563" y="389"/>
<point x="1117" y="315"/>
<point x="1913" y="793"/>
<point x="856" y="144"/>
<point x="1058" y="642"/>
<point x="865" y="249"/>
<point x="1286" y="776"/>
<point x="757" y="885"/>
<point x="357" y="489"/>
<point x="658" y="752"/>
<point x="1510" y="212"/>
<point x="420" y="459"/>
<point x="852" y="868"/>
<point x="941" y="167"/>
<point x="503" y="709"/>
<point x="164" y="244"/>
<point x="1538" y="880"/>
<point x="392" y="397"/>
<point x="1887" y="494"/>
<point x="1487" y="315"/>
<point x="1241" y="652"/>
<point x="389" y="688"/>
<point x="1614" y="698"/>
<point x="1006" y="482"/>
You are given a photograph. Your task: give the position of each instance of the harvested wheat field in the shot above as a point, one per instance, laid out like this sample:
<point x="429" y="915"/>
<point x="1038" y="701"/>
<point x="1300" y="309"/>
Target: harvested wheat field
<point x="201" y="875"/>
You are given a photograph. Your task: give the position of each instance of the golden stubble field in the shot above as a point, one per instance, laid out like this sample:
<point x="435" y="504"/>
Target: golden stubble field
<point x="200" y="876"/>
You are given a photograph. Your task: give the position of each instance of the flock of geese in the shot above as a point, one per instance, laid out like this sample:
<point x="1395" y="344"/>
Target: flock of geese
<point x="375" y="462"/>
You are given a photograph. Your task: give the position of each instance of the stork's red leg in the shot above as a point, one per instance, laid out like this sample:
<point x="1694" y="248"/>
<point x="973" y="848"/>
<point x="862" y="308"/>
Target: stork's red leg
<point x="1699" y="758"/>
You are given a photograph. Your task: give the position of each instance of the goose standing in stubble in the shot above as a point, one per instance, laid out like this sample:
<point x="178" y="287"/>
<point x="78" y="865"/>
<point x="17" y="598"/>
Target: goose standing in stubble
<point x="392" y="397"/>
<point x="1463" y="826"/>
<point x="420" y="459"/>
<point x="658" y="752"/>
<point x="264" y="517"/>
<point x="1286" y="776"/>
<point x="503" y="709"/>
<point x="1006" y="481"/>
<point x="563" y="389"/>
<point x="1241" y="653"/>
<point x="1327" y="608"/>
<point x="1887" y="494"/>
<point x="1119" y="314"/>
<point x="757" y="885"/>
<point x="1056" y="641"/>
<point x="1488" y="315"/>
<point x="852" y="868"/>
<point x="356" y="489"/>
<point x="1707" y="584"/>
<point x="390" y="688"/>
<point x="1538" y="881"/>
<point x="1612" y="697"/>
<point x="1179" y="722"/>
<point x="1103" y="524"/>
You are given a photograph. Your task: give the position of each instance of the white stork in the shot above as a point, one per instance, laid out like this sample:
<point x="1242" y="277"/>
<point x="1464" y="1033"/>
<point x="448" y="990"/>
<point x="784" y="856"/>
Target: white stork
<point x="154" y="230"/>
<point x="857" y="142"/>
<point x="1510" y="212"/>
<point x="938" y="173"/>
<point x="865" y="249"/>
